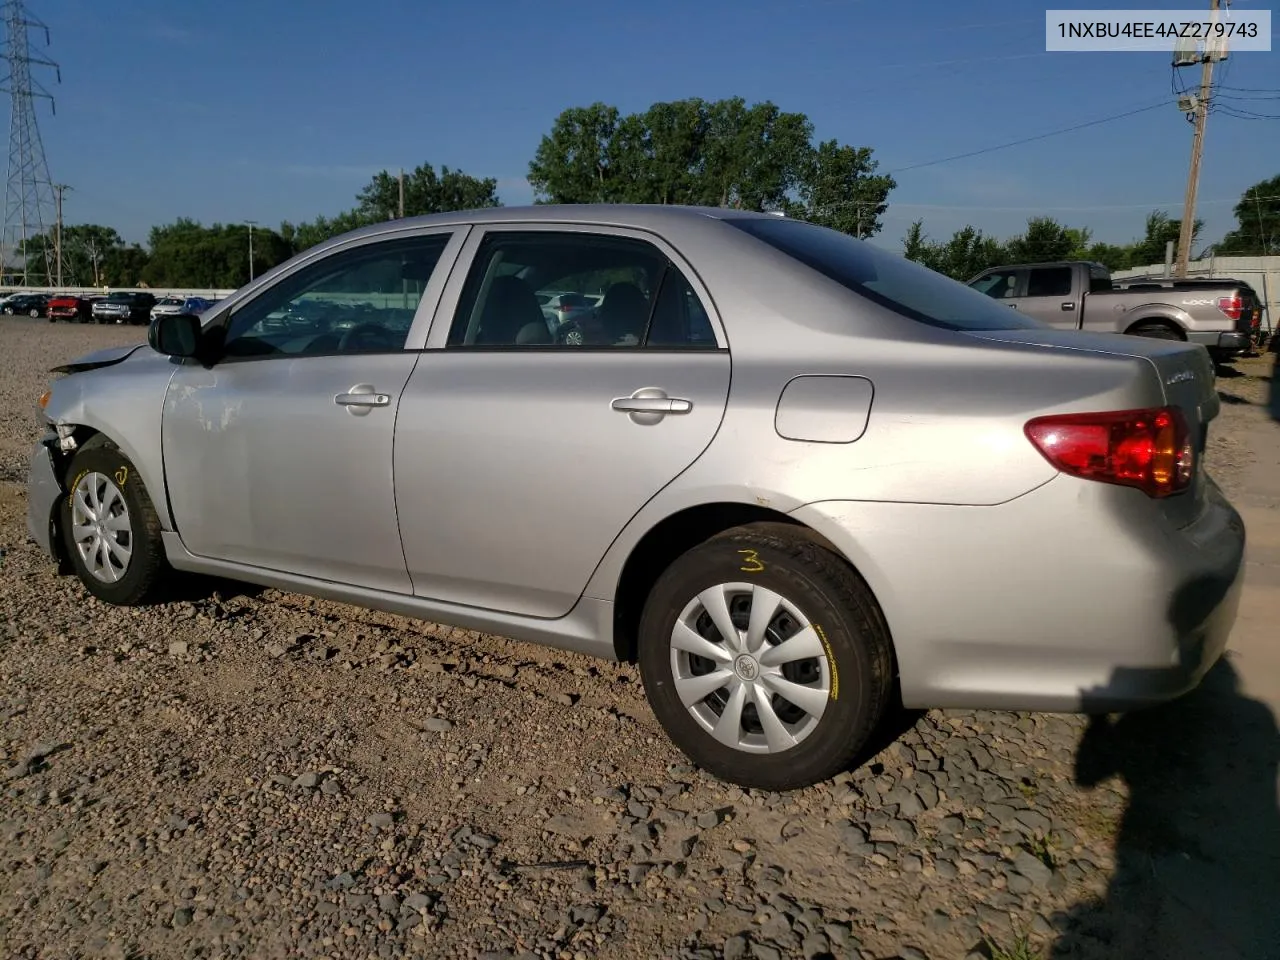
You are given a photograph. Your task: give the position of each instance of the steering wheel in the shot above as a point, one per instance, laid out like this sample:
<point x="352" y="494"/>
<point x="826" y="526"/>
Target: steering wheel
<point x="366" y="337"/>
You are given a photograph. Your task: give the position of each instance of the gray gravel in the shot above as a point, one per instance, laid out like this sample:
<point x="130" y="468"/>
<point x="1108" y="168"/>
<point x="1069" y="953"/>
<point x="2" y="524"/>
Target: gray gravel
<point x="250" y="773"/>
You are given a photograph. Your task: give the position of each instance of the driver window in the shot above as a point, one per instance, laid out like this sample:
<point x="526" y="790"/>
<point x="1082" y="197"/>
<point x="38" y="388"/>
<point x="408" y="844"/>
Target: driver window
<point x="358" y="301"/>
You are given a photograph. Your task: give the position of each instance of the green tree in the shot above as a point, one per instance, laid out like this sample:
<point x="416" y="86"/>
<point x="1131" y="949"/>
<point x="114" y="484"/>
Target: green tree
<point x="841" y="190"/>
<point x="572" y="162"/>
<point x="966" y="254"/>
<point x="714" y="153"/>
<point x="187" y="254"/>
<point x="425" y="192"/>
<point x="1160" y="229"/>
<point x="1044" y="240"/>
<point x="1257" y="231"/>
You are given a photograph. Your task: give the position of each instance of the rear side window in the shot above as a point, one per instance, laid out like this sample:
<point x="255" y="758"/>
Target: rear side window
<point x="1049" y="282"/>
<point x="885" y="278"/>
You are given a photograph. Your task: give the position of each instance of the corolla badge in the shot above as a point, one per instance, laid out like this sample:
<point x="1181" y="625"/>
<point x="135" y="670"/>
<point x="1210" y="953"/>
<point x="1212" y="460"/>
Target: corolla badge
<point x="1180" y="377"/>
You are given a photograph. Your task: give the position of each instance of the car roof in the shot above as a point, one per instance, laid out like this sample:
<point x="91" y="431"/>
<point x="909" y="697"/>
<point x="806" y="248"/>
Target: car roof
<point x="639" y="215"/>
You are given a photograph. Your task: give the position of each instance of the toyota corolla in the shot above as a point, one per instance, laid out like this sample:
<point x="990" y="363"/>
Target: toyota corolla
<point x="787" y="472"/>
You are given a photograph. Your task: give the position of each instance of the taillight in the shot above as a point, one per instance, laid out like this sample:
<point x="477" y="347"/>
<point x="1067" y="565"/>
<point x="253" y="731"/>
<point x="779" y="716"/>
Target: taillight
<point x="1147" y="449"/>
<point x="1231" y="306"/>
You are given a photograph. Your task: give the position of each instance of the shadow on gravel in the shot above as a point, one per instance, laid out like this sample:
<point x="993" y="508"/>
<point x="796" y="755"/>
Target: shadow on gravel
<point x="196" y="588"/>
<point x="1198" y="847"/>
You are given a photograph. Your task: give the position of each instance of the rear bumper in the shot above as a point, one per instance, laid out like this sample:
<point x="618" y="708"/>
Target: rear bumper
<point x="1229" y="342"/>
<point x="1076" y="597"/>
<point x="43" y="491"/>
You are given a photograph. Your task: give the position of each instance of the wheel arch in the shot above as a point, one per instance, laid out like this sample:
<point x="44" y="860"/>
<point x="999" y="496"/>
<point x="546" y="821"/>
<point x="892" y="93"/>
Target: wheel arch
<point x="1158" y="320"/>
<point x="678" y="532"/>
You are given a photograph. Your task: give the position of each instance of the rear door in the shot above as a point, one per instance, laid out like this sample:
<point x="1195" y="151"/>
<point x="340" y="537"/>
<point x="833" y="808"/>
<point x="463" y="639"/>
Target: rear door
<point x="520" y="456"/>
<point x="1048" y="296"/>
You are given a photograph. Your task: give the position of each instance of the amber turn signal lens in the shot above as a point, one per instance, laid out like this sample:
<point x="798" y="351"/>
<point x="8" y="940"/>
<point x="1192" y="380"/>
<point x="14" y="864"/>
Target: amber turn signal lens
<point x="44" y="398"/>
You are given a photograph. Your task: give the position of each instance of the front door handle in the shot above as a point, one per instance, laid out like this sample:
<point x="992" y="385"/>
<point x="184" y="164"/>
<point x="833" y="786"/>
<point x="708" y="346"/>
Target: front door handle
<point x="361" y="399"/>
<point x="649" y="405"/>
<point x="1068" y="305"/>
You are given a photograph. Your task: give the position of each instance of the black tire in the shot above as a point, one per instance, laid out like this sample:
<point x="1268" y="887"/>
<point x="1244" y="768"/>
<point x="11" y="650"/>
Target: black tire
<point x="1156" y="331"/>
<point x="147" y="564"/>
<point x="849" y="623"/>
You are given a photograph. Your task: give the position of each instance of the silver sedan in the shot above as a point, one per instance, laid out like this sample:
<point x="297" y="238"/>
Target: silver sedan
<point x="791" y="474"/>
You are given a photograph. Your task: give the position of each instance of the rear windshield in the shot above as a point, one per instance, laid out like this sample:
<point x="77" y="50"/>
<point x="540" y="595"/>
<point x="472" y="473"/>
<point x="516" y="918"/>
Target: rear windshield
<point x="885" y="278"/>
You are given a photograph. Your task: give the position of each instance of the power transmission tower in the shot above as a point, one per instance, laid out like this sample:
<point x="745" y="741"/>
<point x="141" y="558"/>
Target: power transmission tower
<point x="1200" y="107"/>
<point x="29" y="194"/>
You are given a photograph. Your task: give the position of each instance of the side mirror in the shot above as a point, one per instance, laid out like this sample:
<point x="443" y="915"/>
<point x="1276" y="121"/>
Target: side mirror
<point x="176" y="335"/>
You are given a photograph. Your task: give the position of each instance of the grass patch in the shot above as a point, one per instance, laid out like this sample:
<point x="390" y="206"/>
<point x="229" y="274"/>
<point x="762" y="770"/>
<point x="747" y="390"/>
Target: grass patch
<point x="1020" y="949"/>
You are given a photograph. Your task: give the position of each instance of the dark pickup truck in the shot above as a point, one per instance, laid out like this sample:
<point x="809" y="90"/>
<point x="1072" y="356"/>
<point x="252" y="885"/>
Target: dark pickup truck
<point x="124" y="307"/>
<point x="1222" y="314"/>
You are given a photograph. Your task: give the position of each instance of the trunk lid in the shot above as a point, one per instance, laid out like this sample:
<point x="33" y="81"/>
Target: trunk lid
<point x="1186" y="378"/>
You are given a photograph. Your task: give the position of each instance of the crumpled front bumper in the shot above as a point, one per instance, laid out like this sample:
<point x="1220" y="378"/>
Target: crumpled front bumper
<point x="43" y="491"/>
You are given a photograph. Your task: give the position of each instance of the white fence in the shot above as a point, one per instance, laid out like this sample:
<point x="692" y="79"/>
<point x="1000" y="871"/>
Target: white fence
<point x="1261" y="273"/>
<point x="206" y="292"/>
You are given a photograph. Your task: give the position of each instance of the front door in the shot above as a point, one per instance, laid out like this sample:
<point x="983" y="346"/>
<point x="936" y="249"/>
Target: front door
<point x="1047" y="297"/>
<point x="280" y="454"/>
<point x="524" y="446"/>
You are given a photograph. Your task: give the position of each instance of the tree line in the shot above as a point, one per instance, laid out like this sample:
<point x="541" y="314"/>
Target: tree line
<point x="704" y="152"/>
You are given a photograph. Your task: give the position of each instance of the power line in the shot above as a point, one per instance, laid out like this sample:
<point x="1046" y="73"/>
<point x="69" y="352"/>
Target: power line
<point x="1039" y="136"/>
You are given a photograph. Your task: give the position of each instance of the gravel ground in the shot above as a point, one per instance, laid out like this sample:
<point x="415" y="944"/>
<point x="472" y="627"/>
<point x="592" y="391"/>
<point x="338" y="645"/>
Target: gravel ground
<point x="242" y="772"/>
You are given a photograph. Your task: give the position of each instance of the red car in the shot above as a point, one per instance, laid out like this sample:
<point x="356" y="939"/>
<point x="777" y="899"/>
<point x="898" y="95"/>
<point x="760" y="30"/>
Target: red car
<point x="68" y="309"/>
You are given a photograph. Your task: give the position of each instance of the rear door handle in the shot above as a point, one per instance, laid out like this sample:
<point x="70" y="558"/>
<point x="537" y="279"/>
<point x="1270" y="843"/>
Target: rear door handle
<point x="652" y="405"/>
<point x="1068" y="305"/>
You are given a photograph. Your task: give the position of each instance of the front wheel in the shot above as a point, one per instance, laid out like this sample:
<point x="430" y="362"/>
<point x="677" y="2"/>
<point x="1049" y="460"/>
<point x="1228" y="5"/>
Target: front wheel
<point x="765" y="658"/>
<point x="110" y="527"/>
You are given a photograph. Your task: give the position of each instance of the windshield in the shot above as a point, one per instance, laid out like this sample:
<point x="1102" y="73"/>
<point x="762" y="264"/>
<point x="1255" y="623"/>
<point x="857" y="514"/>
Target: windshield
<point x="885" y="278"/>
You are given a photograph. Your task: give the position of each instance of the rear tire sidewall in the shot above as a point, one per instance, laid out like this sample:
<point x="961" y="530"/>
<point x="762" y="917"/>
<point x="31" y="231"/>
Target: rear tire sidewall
<point x="853" y="708"/>
<point x="144" y="526"/>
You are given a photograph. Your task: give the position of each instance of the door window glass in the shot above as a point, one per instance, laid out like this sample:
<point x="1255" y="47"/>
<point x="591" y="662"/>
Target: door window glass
<point x="1049" y="282"/>
<point x="357" y="301"/>
<point x="575" y="290"/>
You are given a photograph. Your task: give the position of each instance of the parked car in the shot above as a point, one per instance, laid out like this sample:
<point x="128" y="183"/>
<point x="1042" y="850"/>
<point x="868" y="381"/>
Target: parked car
<point x="124" y="306"/>
<point x="32" y="304"/>
<point x="197" y="305"/>
<point x="793" y="472"/>
<point x="1080" y="295"/>
<point x="70" y="308"/>
<point x="167" y="305"/>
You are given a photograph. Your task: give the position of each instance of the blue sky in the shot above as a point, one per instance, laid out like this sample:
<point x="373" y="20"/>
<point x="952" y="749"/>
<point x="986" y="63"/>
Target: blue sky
<point x="282" y="109"/>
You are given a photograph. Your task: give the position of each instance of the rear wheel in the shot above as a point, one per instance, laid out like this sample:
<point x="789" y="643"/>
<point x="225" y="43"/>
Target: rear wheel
<point x="765" y="658"/>
<point x="110" y="527"/>
<point x="1156" y="331"/>
<point x="33" y="312"/>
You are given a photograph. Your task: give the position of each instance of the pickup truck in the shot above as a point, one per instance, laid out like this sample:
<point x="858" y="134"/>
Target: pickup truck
<point x="1221" y="314"/>
<point x="124" y="307"/>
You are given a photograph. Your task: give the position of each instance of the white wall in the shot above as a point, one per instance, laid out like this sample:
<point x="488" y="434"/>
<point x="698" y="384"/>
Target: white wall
<point x="1261" y="273"/>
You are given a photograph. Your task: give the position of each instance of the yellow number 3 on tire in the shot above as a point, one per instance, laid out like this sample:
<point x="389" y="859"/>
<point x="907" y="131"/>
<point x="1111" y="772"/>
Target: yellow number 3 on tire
<point x="751" y="562"/>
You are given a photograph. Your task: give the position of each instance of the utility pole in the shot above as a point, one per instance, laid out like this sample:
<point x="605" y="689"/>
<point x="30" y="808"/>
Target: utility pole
<point x="1197" y="148"/>
<point x="57" y="234"/>
<point x="252" y="224"/>
<point x="402" y="193"/>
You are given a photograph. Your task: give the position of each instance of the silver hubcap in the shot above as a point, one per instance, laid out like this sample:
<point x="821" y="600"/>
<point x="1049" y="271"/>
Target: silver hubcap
<point x="750" y="668"/>
<point x="100" y="527"/>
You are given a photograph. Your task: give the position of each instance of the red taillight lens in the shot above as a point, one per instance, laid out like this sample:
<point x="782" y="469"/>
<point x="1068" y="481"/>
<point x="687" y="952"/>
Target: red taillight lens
<point x="1231" y="306"/>
<point x="1147" y="449"/>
